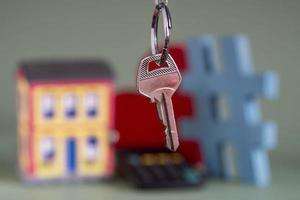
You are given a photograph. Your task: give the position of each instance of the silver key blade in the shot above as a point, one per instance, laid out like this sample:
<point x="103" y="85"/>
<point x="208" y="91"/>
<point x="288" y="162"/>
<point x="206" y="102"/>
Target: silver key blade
<point x="166" y="112"/>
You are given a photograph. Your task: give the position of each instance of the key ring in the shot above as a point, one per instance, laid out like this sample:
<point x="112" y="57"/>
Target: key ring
<point x="161" y="7"/>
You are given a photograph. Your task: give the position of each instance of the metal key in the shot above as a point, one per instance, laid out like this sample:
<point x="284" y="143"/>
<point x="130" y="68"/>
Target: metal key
<point x="159" y="85"/>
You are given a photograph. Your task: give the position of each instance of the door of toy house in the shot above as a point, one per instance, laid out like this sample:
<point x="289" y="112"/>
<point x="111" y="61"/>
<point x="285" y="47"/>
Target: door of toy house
<point x="71" y="149"/>
<point x="91" y="155"/>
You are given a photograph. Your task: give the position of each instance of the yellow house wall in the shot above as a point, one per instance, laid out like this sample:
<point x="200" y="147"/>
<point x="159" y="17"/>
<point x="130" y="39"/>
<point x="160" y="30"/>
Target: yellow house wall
<point x="81" y="127"/>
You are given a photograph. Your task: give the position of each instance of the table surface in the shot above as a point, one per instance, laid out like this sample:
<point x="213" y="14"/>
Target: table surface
<point x="286" y="185"/>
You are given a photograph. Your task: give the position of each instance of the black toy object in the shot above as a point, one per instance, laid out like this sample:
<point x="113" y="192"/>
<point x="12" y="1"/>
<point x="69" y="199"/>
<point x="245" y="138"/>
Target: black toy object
<point x="159" y="169"/>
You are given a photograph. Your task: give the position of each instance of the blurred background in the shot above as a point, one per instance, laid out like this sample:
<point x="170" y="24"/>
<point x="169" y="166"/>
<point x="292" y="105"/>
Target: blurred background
<point x="119" y="30"/>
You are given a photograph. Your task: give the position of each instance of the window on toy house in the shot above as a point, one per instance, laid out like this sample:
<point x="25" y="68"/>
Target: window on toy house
<point x="47" y="106"/>
<point x="70" y="102"/>
<point x="47" y="150"/>
<point x="92" y="149"/>
<point x="92" y="105"/>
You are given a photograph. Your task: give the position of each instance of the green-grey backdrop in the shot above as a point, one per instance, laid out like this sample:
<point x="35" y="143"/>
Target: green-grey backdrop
<point x="119" y="31"/>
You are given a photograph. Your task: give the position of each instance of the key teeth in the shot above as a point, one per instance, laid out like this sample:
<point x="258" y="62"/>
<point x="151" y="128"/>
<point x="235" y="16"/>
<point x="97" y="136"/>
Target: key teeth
<point x="152" y="99"/>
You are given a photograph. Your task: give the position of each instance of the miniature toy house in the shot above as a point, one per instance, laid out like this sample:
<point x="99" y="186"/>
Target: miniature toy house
<point x="64" y="118"/>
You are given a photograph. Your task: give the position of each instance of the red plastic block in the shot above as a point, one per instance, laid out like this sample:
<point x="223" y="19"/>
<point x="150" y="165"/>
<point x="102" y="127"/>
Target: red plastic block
<point x="137" y="121"/>
<point x="190" y="151"/>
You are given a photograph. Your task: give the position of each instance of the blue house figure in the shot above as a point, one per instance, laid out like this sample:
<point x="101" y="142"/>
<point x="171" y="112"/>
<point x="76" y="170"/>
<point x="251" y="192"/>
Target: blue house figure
<point x="228" y="122"/>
